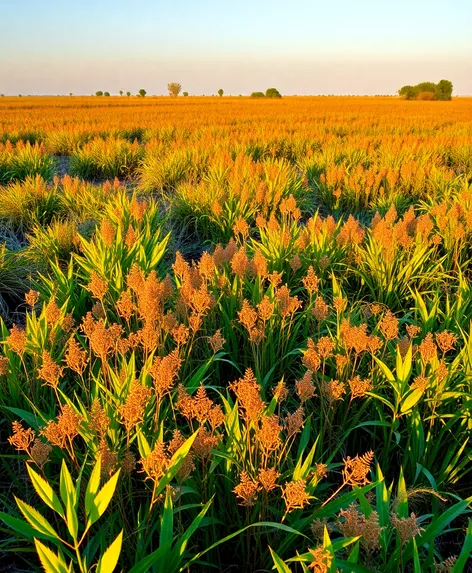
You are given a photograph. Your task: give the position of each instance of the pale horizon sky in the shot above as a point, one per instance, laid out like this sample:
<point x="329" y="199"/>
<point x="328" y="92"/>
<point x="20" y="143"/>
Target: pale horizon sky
<point x="300" y="47"/>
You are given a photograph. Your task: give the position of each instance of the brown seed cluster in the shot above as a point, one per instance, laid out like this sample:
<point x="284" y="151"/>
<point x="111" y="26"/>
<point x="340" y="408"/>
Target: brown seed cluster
<point x="16" y="340"/>
<point x="247" y="391"/>
<point x="21" y="439"/>
<point x="406" y="527"/>
<point x="97" y="286"/>
<point x="305" y="387"/>
<point x="32" y="297"/>
<point x="4" y="365"/>
<point x="132" y="411"/>
<point x="352" y="523"/>
<point x="50" y="372"/>
<point x="164" y="372"/>
<point x="356" y="469"/>
<point x="247" y="489"/>
<point x="156" y="463"/>
<point x="62" y="432"/>
<point x="359" y="387"/>
<point x="295" y="495"/>
<point x="76" y="357"/>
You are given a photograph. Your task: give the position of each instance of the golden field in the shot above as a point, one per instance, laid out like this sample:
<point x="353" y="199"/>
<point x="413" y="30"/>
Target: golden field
<point x="236" y="333"/>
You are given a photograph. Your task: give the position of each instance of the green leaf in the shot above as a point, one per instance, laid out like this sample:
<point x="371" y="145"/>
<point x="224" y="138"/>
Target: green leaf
<point x="344" y="542"/>
<point x="22" y="527"/>
<point x="402" y="507"/>
<point x="69" y="497"/>
<point x="36" y="520"/>
<point x="411" y="399"/>
<point x="406" y="365"/>
<point x="109" y="559"/>
<point x="466" y="551"/>
<point x="354" y="555"/>
<point x="102" y="500"/>
<point x="416" y="558"/>
<point x="386" y="370"/>
<point x="382" y="498"/>
<point x="145" y="565"/>
<point x="183" y="539"/>
<point x="143" y="445"/>
<point x="302" y="468"/>
<point x="271" y="524"/>
<point x="349" y="567"/>
<point x="92" y="487"/>
<point x="278" y="562"/>
<point x="45" y="491"/>
<point x="28" y="417"/>
<point x="440" y="522"/>
<point x="167" y="521"/>
<point x="51" y="562"/>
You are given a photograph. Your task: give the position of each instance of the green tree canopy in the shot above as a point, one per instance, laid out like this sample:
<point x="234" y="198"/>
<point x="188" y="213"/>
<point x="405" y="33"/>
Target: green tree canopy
<point x="273" y="92"/>
<point x="444" y="90"/>
<point x="428" y="91"/>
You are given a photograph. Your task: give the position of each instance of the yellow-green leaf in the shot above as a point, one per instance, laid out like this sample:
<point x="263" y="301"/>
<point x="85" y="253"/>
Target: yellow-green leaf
<point x="69" y="497"/>
<point x="280" y="565"/>
<point x="45" y="491"/>
<point x="92" y="487"/>
<point x="36" y="520"/>
<point x="411" y="400"/>
<point x="109" y="559"/>
<point x="102" y="499"/>
<point x="51" y="562"/>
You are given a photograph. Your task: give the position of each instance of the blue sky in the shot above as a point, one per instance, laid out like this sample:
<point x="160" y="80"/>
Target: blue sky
<point x="299" y="46"/>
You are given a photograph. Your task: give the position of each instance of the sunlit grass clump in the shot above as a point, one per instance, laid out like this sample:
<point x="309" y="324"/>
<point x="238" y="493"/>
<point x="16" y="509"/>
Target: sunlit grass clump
<point x="17" y="162"/>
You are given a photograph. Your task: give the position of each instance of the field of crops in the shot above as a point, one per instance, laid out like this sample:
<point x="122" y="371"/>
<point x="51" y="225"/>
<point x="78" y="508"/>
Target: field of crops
<point x="236" y="334"/>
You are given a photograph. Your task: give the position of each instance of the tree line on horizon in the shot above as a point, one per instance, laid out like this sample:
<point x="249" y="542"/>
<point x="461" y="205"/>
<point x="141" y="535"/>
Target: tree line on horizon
<point x="175" y="88"/>
<point x="442" y="91"/>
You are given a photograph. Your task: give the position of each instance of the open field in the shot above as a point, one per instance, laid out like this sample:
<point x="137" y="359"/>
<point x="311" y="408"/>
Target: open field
<point x="248" y="321"/>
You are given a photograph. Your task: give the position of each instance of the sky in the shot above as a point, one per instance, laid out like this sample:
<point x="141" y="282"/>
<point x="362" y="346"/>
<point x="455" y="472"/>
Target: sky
<point x="298" y="46"/>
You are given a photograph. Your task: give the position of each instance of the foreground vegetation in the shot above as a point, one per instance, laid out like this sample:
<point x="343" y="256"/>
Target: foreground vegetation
<point x="236" y="334"/>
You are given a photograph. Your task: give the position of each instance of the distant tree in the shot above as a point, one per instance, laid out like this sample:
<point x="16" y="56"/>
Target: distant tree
<point x="444" y="90"/>
<point x="428" y="91"/>
<point x="106" y="94"/>
<point x="2" y="95"/>
<point x="408" y="92"/>
<point x="220" y="92"/>
<point x="273" y="92"/>
<point x="174" y="89"/>
<point x="70" y="93"/>
<point x="257" y="94"/>
<point x="142" y="93"/>
<point x="185" y="94"/>
<point x="128" y="93"/>
<point x="121" y="92"/>
<point x="99" y="93"/>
